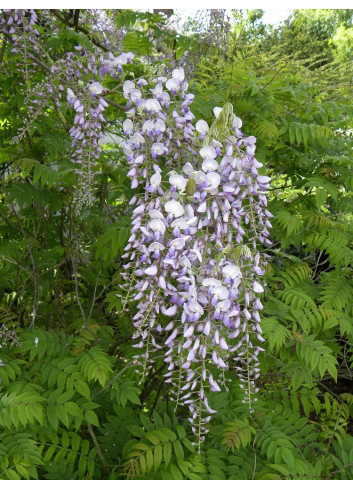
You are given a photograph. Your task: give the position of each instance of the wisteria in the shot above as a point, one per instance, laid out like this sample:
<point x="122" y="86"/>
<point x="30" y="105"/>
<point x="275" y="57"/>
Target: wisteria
<point x="85" y="134"/>
<point x="193" y="262"/>
<point x="19" y="25"/>
<point x="194" y="265"/>
<point x="65" y="76"/>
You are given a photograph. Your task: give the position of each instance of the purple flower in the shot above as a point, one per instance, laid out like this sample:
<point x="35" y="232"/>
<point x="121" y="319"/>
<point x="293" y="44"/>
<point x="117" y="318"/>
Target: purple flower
<point x="196" y="238"/>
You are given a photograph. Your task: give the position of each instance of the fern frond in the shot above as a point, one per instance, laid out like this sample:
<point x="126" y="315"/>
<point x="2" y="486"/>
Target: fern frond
<point x="156" y="449"/>
<point x="237" y="434"/>
<point x="8" y="318"/>
<point x="311" y="319"/>
<point x="289" y="222"/>
<point x="318" y="356"/>
<point x="304" y="133"/>
<point x="19" y="455"/>
<point x="67" y="452"/>
<point x="334" y="244"/>
<point x="296" y="298"/>
<point x="95" y="364"/>
<point x="274" y="332"/>
<point x="20" y="409"/>
<point x="297" y="274"/>
<point x="336" y="290"/>
<point x="323" y="222"/>
<point x="267" y="131"/>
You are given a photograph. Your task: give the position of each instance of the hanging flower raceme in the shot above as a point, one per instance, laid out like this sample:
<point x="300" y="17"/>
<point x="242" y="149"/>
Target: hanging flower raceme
<point x="18" y="25"/>
<point x="89" y="106"/>
<point x="64" y="76"/>
<point x="194" y="268"/>
<point x="86" y="132"/>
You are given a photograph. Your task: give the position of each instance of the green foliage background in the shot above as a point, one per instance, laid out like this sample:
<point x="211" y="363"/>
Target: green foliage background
<point x="71" y="405"/>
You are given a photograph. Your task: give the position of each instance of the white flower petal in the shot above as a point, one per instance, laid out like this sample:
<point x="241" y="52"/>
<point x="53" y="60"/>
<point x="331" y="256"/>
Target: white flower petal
<point x="148" y="126"/>
<point x="128" y="126"/>
<point x="188" y="168"/>
<point x="199" y="177"/>
<point x="237" y="123"/>
<point x="135" y="95"/>
<point x="217" y="111"/>
<point x="213" y="179"/>
<point x="70" y="94"/>
<point x="263" y="179"/>
<point x="224" y="305"/>
<point x="174" y="207"/>
<point x="171" y="311"/>
<point x="139" y="209"/>
<point x="152" y="270"/>
<point x="231" y="271"/>
<point x="257" y="287"/>
<point x="202" y="126"/>
<point x="178" y="243"/>
<point x="152" y="105"/>
<point x="178" y="181"/>
<point x="178" y="74"/>
<point x="159" y="125"/>
<point x="180" y="223"/>
<point x="220" y="292"/>
<point x="209" y="164"/>
<point x="128" y="85"/>
<point x="155" y="246"/>
<point x="155" y="214"/>
<point x="158" y="148"/>
<point x="172" y="84"/>
<point x="96" y="88"/>
<point x="157" y="225"/>
<point x="185" y="262"/>
<point x="189" y="332"/>
<point x="212" y="282"/>
<point x="156" y="179"/>
<point x="197" y="253"/>
<point x="208" y="152"/>
<point x="120" y="60"/>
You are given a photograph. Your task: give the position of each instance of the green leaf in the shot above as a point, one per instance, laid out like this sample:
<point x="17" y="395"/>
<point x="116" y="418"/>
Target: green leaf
<point x="178" y="449"/>
<point x="158" y="455"/>
<point x="177" y="475"/>
<point x="73" y="409"/>
<point x="297" y="380"/>
<point x="82" y="388"/>
<point x="167" y="453"/>
<point x="280" y="469"/>
<point x="287" y="456"/>
<point x="321" y="196"/>
<point x="91" y="417"/>
<point x="22" y="471"/>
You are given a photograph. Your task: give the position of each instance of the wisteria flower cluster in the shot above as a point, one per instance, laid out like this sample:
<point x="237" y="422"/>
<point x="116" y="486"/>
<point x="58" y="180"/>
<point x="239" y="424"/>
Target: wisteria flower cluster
<point x="86" y="132"/>
<point x="19" y="25"/>
<point x="194" y="267"/>
<point x="193" y="262"/>
<point x="64" y="76"/>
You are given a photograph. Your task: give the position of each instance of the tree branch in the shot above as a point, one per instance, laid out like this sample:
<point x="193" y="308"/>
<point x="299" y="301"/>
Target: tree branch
<point x="78" y="28"/>
<point x="76" y="19"/>
<point x="114" y="104"/>
<point x="98" y="448"/>
<point x="114" y="378"/>
<point x="35" y="284"/>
